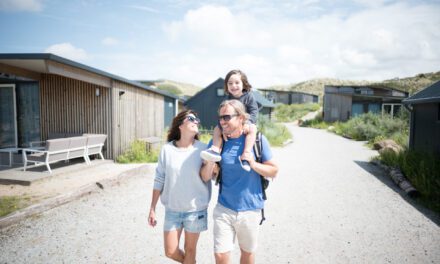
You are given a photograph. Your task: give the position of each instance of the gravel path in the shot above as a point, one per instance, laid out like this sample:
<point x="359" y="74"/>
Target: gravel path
<point x="328" y="205"/>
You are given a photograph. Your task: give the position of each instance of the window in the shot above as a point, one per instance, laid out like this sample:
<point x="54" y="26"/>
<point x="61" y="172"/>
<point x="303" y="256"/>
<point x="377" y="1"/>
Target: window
<point x="220" y="92"/>
<point x="391" y="109"/>
<point x="364" y="90"/>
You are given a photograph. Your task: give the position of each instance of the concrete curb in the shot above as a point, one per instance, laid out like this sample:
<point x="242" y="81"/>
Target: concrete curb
<point x="84" y="190"/>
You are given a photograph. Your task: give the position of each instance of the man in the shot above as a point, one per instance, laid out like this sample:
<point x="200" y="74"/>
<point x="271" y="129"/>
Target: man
<point x="240" y="200"/>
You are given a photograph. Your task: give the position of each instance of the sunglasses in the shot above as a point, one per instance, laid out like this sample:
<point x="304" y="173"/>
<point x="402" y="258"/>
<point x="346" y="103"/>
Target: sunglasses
<point x="226" y="117"/>
<point x="193" y="119"/>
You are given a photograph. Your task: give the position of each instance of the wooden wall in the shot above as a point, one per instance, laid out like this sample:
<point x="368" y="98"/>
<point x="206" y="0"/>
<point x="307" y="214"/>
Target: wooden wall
<point x="337" y="107"/>
<point x="425" y="128"/>
<point x="71" y="106"/>
<point x="137" y="113"/>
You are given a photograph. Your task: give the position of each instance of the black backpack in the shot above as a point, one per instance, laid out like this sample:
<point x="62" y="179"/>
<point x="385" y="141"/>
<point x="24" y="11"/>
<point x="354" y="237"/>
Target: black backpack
<point x="258" y="149"/>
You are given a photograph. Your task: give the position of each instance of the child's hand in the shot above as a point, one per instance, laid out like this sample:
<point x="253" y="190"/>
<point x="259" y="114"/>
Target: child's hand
<point x="246" y="128"/>
<point x="248" y="156"/>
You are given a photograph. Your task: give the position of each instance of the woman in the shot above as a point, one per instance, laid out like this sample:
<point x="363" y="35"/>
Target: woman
<point x="180" y="188"/>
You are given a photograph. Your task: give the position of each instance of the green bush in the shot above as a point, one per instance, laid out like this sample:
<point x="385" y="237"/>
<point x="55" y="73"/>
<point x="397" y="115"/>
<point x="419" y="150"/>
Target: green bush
<point x="275" y="133"/>
<point x="371" y="127"/>
<point x="205" y="137"/>
<point x="422" y="170"/>
<point x="289" y="113"/>
<point x="137" y="153"/>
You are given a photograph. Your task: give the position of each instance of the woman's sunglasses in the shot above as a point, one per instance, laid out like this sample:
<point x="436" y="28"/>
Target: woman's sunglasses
<point x="193" y="119"/>
<point x="226" y="117"/>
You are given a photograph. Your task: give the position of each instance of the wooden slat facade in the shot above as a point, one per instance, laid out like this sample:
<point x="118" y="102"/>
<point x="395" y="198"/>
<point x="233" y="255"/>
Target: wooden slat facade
<point x="337" y="107"/>
<point x="71" y="106"/>
<point x="137" y="113"/>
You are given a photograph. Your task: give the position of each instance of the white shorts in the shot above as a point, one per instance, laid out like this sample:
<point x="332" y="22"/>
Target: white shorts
<point x="229" y="224"/>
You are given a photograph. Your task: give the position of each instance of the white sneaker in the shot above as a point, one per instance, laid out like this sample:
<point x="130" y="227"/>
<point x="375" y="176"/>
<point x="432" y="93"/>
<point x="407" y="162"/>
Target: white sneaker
<point x="210" y="155"/>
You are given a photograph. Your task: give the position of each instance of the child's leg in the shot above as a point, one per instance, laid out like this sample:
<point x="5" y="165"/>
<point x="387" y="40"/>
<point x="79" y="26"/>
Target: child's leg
<point x="250" y="140"/>
<point x="248" y="145"/>
<point x="213" y="153"/>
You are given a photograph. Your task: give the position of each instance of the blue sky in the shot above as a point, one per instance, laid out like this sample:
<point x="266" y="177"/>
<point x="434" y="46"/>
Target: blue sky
<point x="274" y="42"/>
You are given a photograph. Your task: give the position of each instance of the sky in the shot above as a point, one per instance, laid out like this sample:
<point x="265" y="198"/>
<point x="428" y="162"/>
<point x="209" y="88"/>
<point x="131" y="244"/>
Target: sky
<point x="196" y="42"/>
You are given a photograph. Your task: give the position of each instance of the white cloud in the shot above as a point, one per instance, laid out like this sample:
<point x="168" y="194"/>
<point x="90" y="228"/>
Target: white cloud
<point x="217" y="26"/>
<point x="374" y="43"/>
<point x="67" y="50"/>
<point x="21" y="5"/>
<point x="109" y="41"/>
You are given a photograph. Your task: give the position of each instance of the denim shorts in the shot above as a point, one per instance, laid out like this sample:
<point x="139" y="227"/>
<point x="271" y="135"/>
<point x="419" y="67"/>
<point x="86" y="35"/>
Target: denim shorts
<point x="193" y="222"/>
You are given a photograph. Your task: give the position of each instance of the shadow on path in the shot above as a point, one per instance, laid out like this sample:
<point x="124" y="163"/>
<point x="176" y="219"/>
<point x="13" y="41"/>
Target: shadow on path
<point x="382" y="176"/>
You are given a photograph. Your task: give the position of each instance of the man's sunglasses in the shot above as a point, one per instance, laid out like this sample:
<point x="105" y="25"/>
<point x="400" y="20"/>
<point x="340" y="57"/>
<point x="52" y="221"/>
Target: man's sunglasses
<point x="193" y="119"/>
<point x="226" y="117"/>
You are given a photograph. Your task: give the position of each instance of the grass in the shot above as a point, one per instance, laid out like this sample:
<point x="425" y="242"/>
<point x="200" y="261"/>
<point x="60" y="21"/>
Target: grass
<point x="137" y="153"/>
<point x="290" y="113"/>
<point x="422" y="170"/>
<point x="9" y="204"/>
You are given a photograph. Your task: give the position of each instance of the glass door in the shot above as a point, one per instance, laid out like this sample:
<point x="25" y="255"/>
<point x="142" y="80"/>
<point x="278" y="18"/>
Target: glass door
<point x="8" y="116"/>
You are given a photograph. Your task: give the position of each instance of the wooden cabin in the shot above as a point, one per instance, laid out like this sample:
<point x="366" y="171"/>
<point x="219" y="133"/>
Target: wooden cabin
<point x="43" y="93"/>
<point x="340" y="103"/>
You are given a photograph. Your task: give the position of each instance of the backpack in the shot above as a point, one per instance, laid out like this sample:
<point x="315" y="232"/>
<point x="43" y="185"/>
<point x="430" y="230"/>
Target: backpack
<point x="258" y="149"/>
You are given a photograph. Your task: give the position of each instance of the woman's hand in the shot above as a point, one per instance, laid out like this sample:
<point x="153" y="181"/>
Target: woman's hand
<point x="152" y="218"/>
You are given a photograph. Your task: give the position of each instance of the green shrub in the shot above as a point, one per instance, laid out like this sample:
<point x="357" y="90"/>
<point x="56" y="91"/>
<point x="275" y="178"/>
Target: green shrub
<point x="205" y="137"/>
<point x="275" y="133"/>
<point x="317" y="122"/>
<point x="422" y="170"/>
<point x="371" y="127"/>
<point x="289" y="113"/>
<point x="137" y="153"/>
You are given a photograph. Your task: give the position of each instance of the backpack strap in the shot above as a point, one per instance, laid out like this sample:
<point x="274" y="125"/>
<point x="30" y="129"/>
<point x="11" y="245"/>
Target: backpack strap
<point x="258" y="150"/>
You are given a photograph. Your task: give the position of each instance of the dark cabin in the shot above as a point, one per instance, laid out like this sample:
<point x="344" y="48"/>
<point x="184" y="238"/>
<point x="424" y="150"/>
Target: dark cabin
<point x="424" y="132"/>
<point x="206" y="103"/>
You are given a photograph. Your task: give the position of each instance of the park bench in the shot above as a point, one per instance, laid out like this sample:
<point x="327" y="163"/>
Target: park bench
<point x="65" y="149"/>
